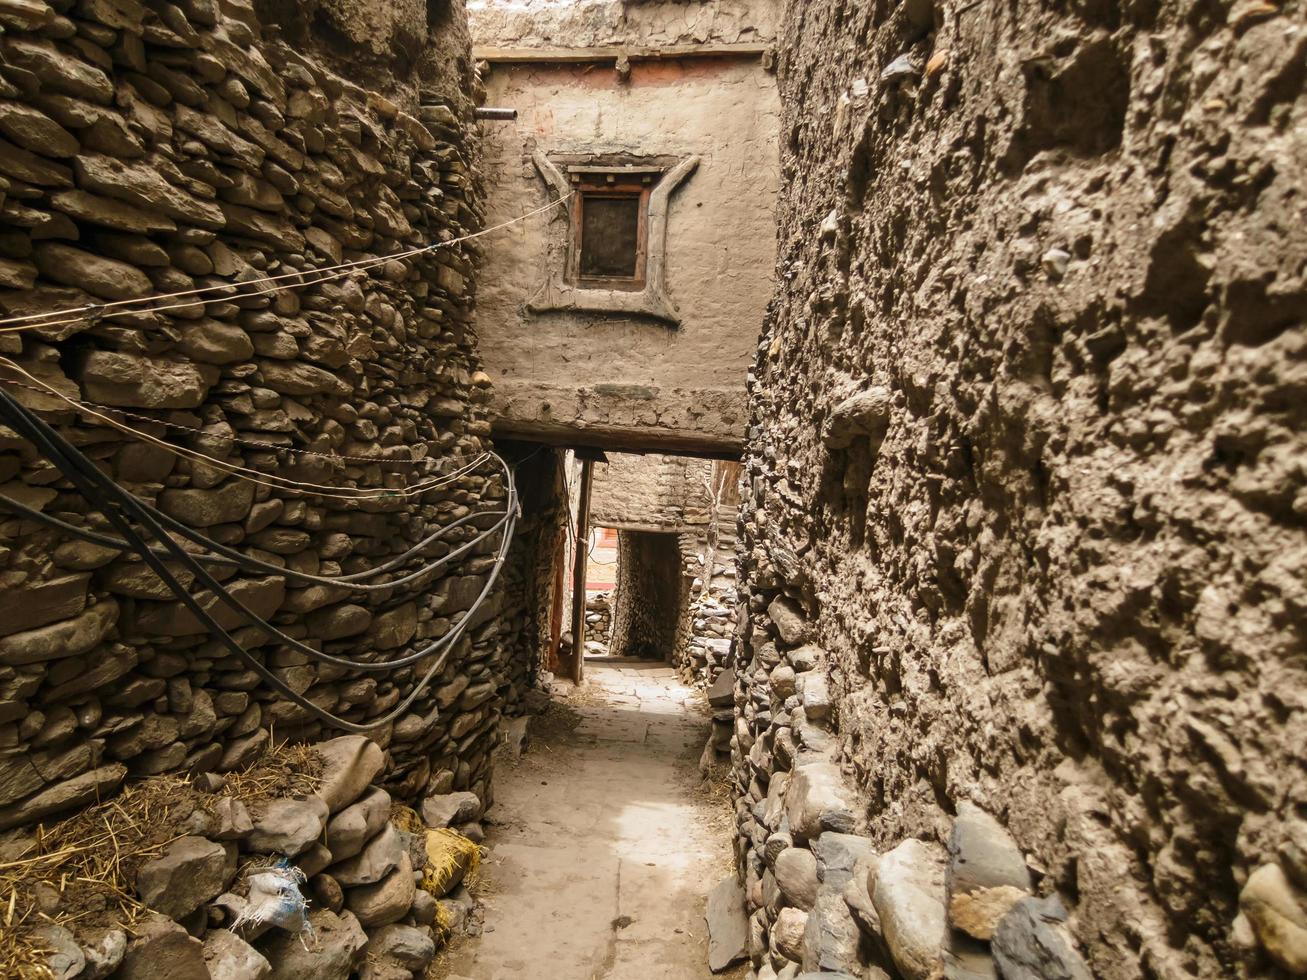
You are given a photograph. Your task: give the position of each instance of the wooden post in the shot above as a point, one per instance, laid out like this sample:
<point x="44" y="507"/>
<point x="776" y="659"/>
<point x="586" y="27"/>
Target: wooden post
<point x="578" y="570"/>
<point x="556" y="607"/>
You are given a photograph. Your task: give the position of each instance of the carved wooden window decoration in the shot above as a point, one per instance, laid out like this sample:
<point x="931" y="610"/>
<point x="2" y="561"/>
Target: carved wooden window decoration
<point x="614" y="256"/>
<point x="610" y="228"/>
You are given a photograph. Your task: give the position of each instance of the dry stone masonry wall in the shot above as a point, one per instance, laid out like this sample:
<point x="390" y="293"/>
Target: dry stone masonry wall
<point x="1023" y="533"/>
<point x="161" y="147"/>
<point x="697" y="500"/>
<point x="300" y="867"/>
<point x="598" y="621"/>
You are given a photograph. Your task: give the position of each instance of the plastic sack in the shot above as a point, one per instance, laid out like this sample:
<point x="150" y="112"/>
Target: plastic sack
<point x="275" y="899"/>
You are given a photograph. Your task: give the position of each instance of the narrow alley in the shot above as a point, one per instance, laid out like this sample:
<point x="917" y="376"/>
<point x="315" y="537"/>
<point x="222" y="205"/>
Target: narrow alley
<point x="653" y="489"/>
<point x="605" y="839"/>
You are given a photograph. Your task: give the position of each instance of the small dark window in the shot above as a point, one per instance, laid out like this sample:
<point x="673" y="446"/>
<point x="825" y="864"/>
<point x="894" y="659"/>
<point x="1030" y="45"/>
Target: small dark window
<point x="610" y="217"/>
<point x="610" y="235"/>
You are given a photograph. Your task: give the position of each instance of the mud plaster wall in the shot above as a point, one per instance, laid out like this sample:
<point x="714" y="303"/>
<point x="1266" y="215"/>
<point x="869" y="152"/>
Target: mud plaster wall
<point x="629" y="380"/>
<point x="1055" y="552"/>
<point x="687" y="496"/>
<point x="160" y="149"/>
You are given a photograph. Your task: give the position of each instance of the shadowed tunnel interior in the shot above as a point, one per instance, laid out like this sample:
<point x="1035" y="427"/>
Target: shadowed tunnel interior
<point x="650" y="596"/>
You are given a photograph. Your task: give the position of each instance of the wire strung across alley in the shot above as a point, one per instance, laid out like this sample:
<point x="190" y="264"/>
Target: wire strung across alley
<point x="233" y="290"/>
<point x="123" y="510"/>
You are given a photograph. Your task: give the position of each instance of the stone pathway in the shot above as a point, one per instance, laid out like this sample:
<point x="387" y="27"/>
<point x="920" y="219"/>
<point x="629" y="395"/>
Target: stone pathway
<point x="604" y="843"/>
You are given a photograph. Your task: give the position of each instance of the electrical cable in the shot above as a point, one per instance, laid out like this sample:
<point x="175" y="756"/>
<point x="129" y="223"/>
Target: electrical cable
<point x="229" y="558"/>
<point x="272" y="631"/>
<point x="103" y="493"/>
<point x="259" y="478"/>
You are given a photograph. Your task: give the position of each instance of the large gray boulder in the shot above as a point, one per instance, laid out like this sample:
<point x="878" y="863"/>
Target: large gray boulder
<point x="398" y="952"/>
<point x="987" y="874"/>
<point x="722" y="692"/>
<point x="65" y="959"/>
<point x="831" y="937"/>
<point x="104" y="950"/>
<point x="909" y="900"/>
<point x="728" y="925"/>
<point x="818" y="799"/>
<point x="789" y="620"/>
<point x="796" y="874"/>
<point x="352" y="762"/>
<point x="388" y="900"/>
<point x="288" y="826"/>
<point x="357" y="824"/>
<point x="838" y="855"/>
<point x="450" y="809"/>
<point x="788" y="933"/>
<point x="337" y="950"/>
<point x="1031" y="943"/>
<point x="190" y="872"/>
<point x="231" y="958"/>
<point x="377" y="859"/>
<point x="163" y="950"/>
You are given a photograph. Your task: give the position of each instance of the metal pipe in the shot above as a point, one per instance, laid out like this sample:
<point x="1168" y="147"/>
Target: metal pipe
<point x="493" y="112"/>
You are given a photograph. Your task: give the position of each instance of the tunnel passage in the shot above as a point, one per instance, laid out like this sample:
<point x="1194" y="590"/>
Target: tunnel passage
<point x="651" y="596"/>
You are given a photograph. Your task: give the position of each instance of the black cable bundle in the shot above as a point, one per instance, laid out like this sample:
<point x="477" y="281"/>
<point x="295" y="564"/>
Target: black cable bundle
<point x="121" y="509"/>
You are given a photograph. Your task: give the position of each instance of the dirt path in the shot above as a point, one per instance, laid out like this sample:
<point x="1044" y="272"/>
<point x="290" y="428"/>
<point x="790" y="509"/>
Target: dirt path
<point x="605" y="842"/>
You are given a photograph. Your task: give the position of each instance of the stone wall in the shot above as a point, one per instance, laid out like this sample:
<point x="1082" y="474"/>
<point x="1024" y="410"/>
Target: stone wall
<point x="522" y="607"/>
<point x="1024" y="499"/>
<point x="653" y="594"/>
<point x="599" y="620"/>
<point x="651" y="492"/>
<point x="690" y="497"/>
<point x="161" y="148"/>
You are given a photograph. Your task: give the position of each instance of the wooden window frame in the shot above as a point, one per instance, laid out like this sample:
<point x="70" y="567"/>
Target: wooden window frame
<point x="557" y="293"/>
<point x="613" y="185"/>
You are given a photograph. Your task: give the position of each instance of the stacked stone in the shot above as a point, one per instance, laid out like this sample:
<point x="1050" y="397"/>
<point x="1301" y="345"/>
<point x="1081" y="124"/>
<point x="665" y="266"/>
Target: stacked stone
<point x="709" y="650"/>
<point x="598" y="622"/>
<point x="150" y="148"/>
<point x="817" y="896"/>
<point x="523" y="604"/>
<point x="368" y="915"/>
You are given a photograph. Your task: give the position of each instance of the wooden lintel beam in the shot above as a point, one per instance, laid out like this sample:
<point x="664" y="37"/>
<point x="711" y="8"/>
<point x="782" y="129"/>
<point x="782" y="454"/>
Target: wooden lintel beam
<point x="613" y="52"/>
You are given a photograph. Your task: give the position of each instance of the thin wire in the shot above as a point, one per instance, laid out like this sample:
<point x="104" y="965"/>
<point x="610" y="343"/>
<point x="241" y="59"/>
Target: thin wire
<point x="281" y="483"/>
<point x="122" y="307"/>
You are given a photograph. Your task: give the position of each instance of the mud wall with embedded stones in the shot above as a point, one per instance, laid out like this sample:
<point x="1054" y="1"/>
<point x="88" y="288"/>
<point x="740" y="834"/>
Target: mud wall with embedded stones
<point x="653" y="595"/>
<point x="1025" y="489"/>
<point x="161" y="147"/>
